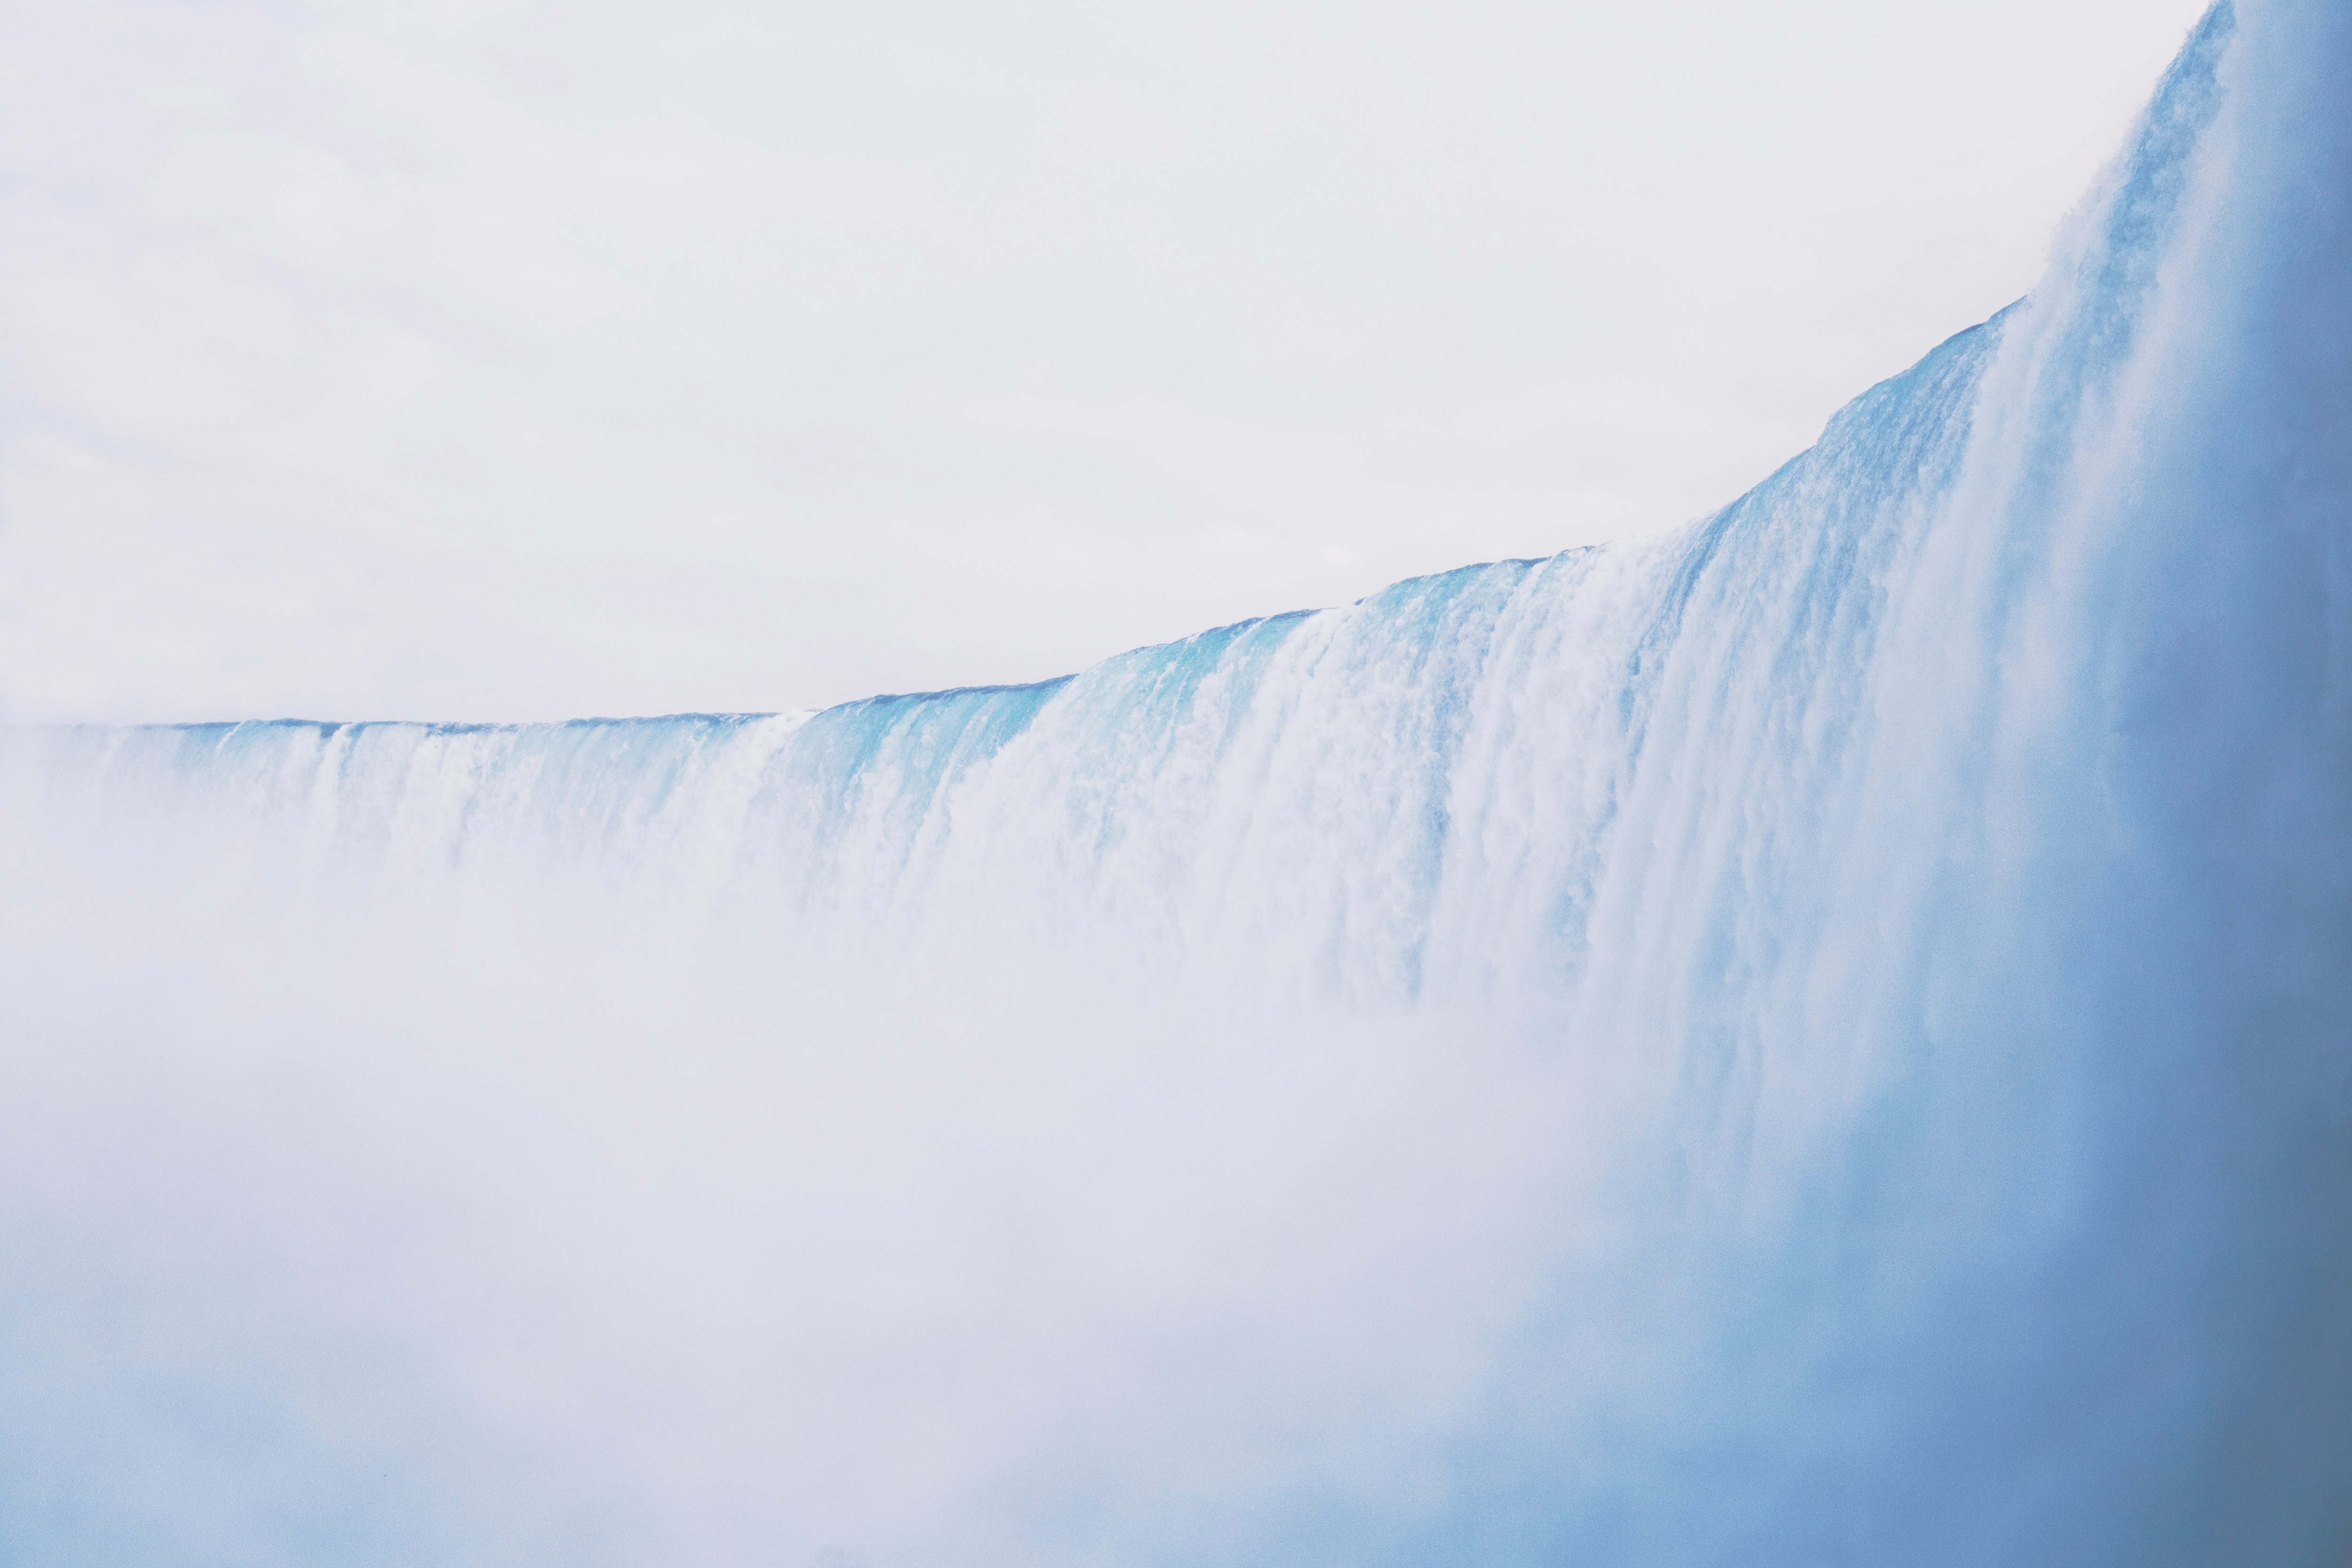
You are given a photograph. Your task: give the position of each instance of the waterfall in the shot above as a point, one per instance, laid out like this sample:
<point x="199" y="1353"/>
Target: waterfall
<point x="1822" y="1036"/>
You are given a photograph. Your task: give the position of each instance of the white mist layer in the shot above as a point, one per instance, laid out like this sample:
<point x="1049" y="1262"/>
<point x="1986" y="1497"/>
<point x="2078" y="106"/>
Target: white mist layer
<point x="1824" y="1038"/>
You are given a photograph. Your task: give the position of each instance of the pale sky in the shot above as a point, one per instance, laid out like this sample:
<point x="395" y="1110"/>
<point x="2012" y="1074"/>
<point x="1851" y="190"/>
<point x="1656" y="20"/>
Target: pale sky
<point x="511" y="360"/>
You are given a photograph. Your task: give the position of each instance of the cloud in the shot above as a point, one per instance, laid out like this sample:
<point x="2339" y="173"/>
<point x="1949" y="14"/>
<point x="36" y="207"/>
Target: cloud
<point x="371" y="359"/>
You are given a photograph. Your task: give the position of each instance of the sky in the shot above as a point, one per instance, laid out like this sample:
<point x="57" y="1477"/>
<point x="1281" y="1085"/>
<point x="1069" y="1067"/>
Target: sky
<point x="510" y="360"/>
